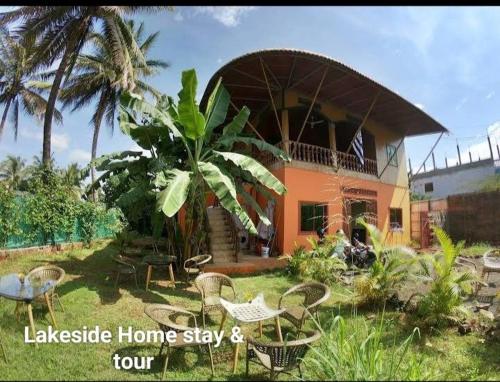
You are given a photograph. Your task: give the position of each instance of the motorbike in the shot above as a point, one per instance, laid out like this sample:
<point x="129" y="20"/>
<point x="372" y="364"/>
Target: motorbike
<point x="357" y="254"/>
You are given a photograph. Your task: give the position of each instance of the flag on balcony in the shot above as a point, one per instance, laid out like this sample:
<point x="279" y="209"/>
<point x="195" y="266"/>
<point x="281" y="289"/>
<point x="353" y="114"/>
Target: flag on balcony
<point x="358" y="148"/>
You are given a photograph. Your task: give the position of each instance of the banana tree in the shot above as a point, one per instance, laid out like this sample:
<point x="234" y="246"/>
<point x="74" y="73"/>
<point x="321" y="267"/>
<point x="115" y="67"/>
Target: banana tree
<point x="192" y="154"/>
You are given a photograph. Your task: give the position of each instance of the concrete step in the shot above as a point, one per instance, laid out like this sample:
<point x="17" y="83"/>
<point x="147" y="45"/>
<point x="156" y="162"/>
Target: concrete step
<point x="217" y="220"/>
<point x="220" y="231"/>
<point x="215" y="212"/>
<point x="226" y="244"/>
<point x="222" y="252"/>
<point x="215" y="247"/>
<point x="218" y="225"/>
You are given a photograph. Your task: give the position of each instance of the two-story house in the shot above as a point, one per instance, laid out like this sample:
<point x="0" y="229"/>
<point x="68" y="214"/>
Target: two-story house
<point x="344" y="133"/>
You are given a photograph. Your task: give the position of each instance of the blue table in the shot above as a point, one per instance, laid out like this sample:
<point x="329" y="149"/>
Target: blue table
<point x="25" y="290"/>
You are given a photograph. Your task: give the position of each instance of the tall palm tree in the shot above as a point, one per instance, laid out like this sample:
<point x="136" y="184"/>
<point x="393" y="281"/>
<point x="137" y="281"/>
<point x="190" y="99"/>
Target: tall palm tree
<point x="20" y="83"/>
<point x="98" y="77"/>
<point x="13" y="171"/>
<point x="71" y="178"/>
<point x="63" y="31"/>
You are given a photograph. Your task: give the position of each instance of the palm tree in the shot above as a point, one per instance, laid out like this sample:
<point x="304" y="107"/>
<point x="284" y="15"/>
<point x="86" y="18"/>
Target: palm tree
<point x="38" y="162"/>
<point x="13" y="171"/>
<point x="71" y="178"/>
<point x="63" y="30"/>
<point x="98" y="77"/>
<point x="18" y="85"/>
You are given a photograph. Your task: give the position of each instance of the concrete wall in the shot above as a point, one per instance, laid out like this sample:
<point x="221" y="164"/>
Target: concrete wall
<point x="454" y="180"/>
<point x="306" y="185"/>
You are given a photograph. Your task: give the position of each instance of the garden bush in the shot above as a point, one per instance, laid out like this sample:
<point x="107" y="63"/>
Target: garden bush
<point x="442" y="305"/>
<point x="48" y="209"/>
<point x="317" y="263"/>
<point x="8" y="214"/>
<point x="47" y="213"/>
<point x="387" y="274"/>
<point x="88" y="215"/>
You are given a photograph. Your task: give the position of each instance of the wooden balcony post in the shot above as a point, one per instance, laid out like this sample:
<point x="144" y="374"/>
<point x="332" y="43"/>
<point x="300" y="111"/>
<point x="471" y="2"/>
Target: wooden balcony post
<point x="286" y="130"/>
<point x="333" y="142"/>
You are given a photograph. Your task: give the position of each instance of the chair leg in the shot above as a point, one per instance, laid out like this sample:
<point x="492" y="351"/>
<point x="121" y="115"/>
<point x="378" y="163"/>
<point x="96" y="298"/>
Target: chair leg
<point x="59" y="301"/>
<point x="165" y="365"/>
<point x="247" y="366"/>
<point x="161" y="349"/>
<point x="211" y="359"/>
<point x="317" y="318"/>
<point x="135" y="279"/>
<point x="300" y="371"/>
<point x="272" y="375"/>
<point x="117" y="279"/>
<point x="3" y="351"/>
<point x="203" y="317"/>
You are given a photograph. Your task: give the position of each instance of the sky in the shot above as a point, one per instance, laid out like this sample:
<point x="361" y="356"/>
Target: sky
<point x="443" y="59"/>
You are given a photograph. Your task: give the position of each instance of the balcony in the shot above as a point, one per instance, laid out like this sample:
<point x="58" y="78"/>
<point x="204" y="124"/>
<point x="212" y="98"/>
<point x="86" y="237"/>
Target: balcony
<point x="304" y="152"/>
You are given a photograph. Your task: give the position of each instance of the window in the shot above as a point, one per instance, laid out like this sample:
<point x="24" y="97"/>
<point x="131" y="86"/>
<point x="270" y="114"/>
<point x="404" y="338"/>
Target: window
<point x="391" y="150"/>
<point x="312" y="216"/>
<point x="429" y="187"/>
<point x="396" y="219"/>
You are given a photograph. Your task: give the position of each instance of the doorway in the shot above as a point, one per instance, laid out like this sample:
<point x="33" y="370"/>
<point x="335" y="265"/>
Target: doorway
<point x="359" y="208"/>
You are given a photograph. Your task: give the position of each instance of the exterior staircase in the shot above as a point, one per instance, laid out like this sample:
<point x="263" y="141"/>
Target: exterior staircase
<point x="222" y="245"/>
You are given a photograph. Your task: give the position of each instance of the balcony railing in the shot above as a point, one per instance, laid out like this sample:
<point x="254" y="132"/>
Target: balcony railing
<point x="323" y="156"/>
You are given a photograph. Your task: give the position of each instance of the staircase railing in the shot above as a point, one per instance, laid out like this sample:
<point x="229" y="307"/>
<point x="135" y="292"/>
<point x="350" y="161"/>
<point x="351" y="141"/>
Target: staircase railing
<point x="234" y="233"/>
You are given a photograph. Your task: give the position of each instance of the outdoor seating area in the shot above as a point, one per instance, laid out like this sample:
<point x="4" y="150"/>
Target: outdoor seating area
<point x="281" y="317"/>
<point x="221" y="303"/>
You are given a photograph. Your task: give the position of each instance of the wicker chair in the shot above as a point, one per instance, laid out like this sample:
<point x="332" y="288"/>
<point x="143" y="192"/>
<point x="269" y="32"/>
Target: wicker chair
<point x="210" y="287"/>
<point x="314" y="295"/>
<point x="45" y="273"/>
<point x="491" y="262"/>
<point x="124" y="267"/>
<point x="165" y="316"/>
<point x="280" y="357"/>
<point x="195" y="265"/>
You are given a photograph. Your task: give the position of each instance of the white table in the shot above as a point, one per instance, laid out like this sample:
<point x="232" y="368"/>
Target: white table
<point x="248" y="312"/>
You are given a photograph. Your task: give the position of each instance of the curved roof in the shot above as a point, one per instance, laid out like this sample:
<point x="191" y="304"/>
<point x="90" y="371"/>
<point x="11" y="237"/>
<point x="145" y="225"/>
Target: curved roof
<point x="302" y="71"/>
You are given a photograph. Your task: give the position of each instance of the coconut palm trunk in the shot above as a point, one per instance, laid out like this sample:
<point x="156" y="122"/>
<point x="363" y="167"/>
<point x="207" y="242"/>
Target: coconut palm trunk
<point x="4" y="117"/>
<point x="101" y="108"/>
<point x="69" y="52"/>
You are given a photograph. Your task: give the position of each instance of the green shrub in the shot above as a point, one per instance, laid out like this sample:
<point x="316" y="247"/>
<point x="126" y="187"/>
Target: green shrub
<point x="317" y="263"/>
<point x="9" y="215"/>
<point x="88" y="215"/>
<point x="387" y="274"/>
<point x="355" y="351"/>
<point x="298" y="256"/>
<point x="323" y="270"/>
<point x="48" y="209"/>
<point x="442" y="305"/>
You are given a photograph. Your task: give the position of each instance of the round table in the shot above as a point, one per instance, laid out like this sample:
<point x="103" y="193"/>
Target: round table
<point x="253" y="311"/>
<point x="25" y="291"/>
<point x="160" y="261"/>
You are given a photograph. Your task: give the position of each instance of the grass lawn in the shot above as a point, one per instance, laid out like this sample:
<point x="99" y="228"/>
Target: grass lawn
<point x="90" y="299"/>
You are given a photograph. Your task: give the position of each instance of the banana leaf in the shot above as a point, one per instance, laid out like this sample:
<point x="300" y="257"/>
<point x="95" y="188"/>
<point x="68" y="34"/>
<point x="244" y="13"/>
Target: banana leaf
<point x="189" y="114"/>
<point x="224" y="188"/>
<point x="259" y="172"/>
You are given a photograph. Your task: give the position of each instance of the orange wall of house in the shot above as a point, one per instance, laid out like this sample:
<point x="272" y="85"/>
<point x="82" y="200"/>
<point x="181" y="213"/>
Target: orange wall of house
<point x="311" y="186"/>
